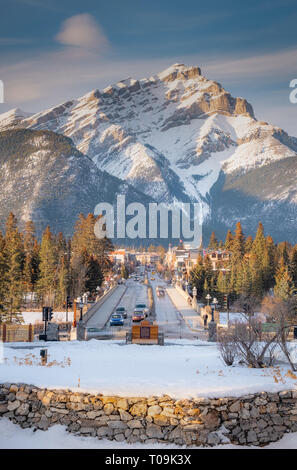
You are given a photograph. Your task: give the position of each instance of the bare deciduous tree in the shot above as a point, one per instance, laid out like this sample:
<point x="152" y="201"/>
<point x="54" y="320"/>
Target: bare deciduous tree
<point x="246" y="340"/>
<point x="227" y="348"/>
<point x="284" y="314"/>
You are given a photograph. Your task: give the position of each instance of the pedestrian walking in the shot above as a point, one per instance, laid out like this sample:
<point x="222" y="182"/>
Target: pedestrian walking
<point x="205" y="321"/>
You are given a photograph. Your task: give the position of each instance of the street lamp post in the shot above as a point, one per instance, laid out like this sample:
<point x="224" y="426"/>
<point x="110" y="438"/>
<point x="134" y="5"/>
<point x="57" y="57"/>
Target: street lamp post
<point x="194" y="301"/>
<point x="208" y="297"/>
<point x="212" y="326"/>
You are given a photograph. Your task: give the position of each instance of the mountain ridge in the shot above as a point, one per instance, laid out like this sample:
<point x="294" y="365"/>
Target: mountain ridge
<point x="173" y="137"/>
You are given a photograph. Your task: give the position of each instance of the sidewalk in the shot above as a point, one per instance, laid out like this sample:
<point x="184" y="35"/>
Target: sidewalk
<point x="189" y="315"/>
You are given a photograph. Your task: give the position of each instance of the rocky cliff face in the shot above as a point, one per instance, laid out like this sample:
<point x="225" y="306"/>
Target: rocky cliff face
<point x="177" y="136"/>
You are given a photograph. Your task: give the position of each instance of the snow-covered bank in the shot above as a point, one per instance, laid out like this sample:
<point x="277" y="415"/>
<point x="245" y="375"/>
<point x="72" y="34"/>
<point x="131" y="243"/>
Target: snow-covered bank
<point x="36" y="317"/>
<point x="14" y="437"/>
<point x="181" y="369"/>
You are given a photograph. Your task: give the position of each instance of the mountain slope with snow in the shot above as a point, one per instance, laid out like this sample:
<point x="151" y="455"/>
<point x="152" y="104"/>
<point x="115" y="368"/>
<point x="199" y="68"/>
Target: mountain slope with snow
<point x="175" y="136"/>
<point x="46" y="179"/>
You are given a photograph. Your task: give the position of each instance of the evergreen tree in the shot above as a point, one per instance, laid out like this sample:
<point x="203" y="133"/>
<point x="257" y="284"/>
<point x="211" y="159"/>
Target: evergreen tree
<point x="197" y="276"/>
<point x="208" y="270"/>
<point x="206" y="287"/>
<point x="124" y="272"/>
<point x="31" y="257"/>
<point x="259" y="243"/>
<point x="14" y="289"/>
<point x="268" y="264"/>
<point x="283" y="249"/>
<point x="213" y="242"/>
<point x="228" y="241"/>
<point x="63" y="280"/>
<point x="94" y="275"/>
<point x="248" y="244"/>
<point x="87" y="245"/>
<point x="293" y="266"/>
<point x="3" y="276"/>
<point x="236" y="256"/>
<point x="221" y="283"/>
<point x="283" y="282"/>
<point x="47" y="281"/>
<point x="63" y="268"/>
<point x="244" y="282"/>
<point x="238" y="243"/>
<point x="257" y="289"/>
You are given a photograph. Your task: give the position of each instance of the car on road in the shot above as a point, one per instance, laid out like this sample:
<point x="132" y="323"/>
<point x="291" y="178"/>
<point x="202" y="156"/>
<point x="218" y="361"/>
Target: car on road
<point x="138" y="315"/>
<point x="160" y="291"/>
<point x="142" y="306"/>
<point x="116" y="320"/>
<point x="121" y="311"/>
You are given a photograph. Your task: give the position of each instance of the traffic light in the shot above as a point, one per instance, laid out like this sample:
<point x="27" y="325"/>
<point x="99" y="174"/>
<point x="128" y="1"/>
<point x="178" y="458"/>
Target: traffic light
<point x="44" y="313"/>
<point x="226" y="302"/>
<point x="50" y="313"/>
<point x="68" y="302"/>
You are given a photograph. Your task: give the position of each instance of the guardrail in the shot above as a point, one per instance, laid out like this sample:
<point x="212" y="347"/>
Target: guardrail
<point x="88" y="315"/>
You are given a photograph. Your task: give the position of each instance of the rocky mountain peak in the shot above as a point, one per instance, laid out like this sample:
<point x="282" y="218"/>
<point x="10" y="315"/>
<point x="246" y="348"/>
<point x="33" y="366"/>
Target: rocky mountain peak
<point x="12" y="117"/>
<point x="178" y="136"/>
<point x="179" y="72"/>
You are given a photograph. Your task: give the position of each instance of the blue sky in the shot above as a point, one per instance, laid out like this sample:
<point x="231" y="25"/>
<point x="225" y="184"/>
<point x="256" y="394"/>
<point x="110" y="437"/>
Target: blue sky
<point x="51" y="51"/>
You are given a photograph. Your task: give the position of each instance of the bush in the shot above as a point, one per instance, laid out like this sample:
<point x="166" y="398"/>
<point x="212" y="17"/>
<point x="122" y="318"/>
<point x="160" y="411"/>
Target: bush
<point x="227" y="348"/>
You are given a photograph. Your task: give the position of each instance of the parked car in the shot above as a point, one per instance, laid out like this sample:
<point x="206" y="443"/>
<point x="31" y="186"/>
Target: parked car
<point x="116" y="320"/>
<point x="142" y="306"/>
<point x="121" y="311"/>
<point x="138" y="315"/>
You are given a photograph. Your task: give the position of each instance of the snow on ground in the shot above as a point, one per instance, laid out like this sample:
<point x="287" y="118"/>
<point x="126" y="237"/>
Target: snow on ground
<point x="36" y="317"/>
<point x="192" y="320"/>
<point x="13" y="436"/>
<point x="238" y="317"/>
<point x="181" y="369"/>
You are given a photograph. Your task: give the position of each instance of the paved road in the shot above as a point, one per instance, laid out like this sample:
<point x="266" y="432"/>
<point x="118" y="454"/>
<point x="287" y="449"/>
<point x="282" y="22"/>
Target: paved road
<point x="134" y="292"/>
<point x="173" y="315"/>
<point x="101" y="316"/>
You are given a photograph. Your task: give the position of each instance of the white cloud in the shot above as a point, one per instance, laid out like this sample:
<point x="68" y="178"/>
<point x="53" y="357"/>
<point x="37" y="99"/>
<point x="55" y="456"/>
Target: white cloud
<point x="47" y="79"/>
<point x="269" y="66"/>
<point x="82" y="31"/>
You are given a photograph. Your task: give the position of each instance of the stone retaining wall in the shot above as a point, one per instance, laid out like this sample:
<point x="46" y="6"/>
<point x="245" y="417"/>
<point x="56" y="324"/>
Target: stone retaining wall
<point x="252" y="419"/>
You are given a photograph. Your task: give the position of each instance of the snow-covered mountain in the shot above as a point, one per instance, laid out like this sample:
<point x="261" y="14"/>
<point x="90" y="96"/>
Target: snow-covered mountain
<point x="12" y="118"/>
<point x="46" y="179"/>
<point x="178" y="136"/>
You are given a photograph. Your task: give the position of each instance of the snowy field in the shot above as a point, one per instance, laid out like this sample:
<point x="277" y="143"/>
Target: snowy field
<point x="181" y="369"/>
<point x="14" y="437"/>
<point x="237" y="317"/>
